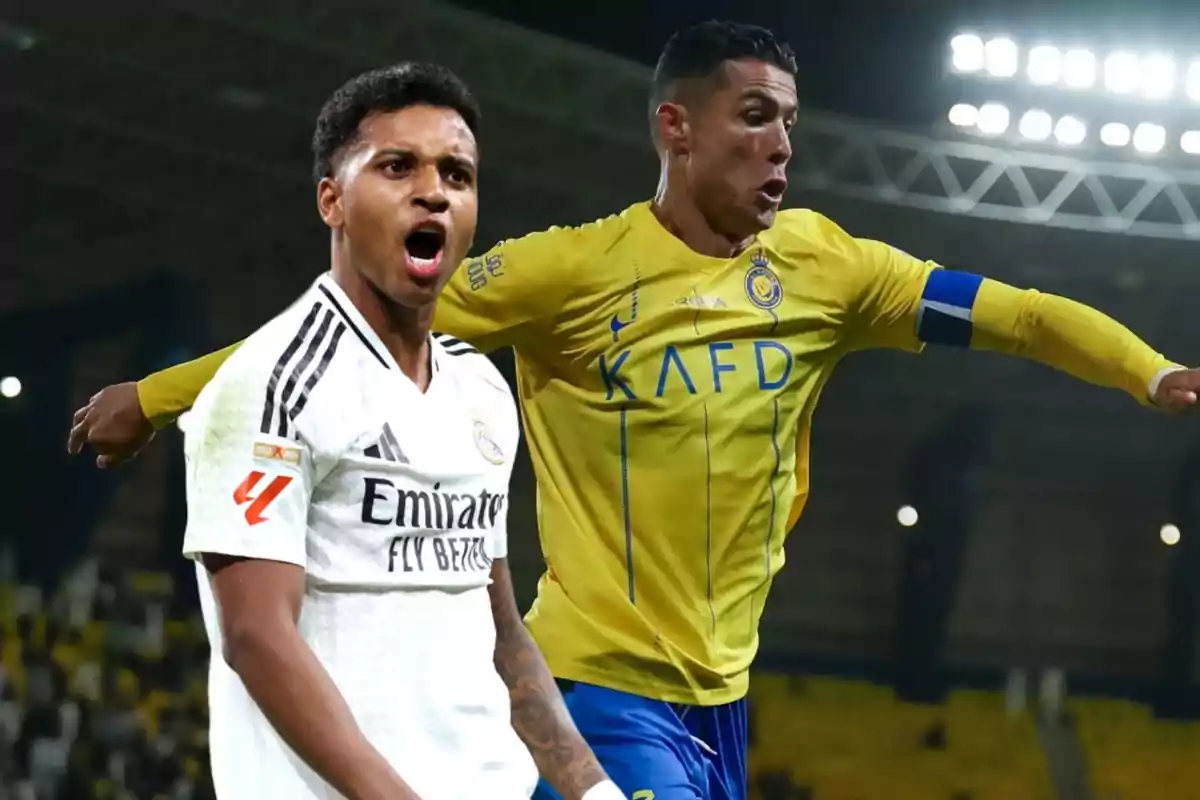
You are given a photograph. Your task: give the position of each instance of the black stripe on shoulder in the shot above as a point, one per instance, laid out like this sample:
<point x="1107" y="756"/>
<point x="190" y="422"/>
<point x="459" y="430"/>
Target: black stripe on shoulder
<point x="346" y="319"/>
<point x="277" y="371"/>
<point x="315" y="377"/>
<point x="453" y="346"/>
<point x="310" y="352"/>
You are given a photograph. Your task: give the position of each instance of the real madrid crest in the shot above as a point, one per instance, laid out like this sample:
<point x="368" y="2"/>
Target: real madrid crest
<point x="487" y="445"/>
<point x="762" y="286"/>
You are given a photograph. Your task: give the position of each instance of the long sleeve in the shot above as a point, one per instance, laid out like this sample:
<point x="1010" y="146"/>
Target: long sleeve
<point x="504" y="297"/>
<point x="895" y="300"/>
<point x="1065" y="335"/>
<point x="168" y="393"/>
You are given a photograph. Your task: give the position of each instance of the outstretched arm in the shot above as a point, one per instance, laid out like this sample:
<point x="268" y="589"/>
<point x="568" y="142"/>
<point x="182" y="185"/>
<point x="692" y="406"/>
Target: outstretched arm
<point x="121" y="419"/>
<point x="168" y="393"/>
<point x="539" y="715"/>
<point x="496" y="300"/>
<point x="1051" y="330"/>
<point x="895" y="300"/>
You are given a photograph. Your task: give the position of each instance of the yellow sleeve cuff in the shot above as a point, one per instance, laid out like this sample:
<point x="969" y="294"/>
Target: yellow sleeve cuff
<point x="1156" y="381"/>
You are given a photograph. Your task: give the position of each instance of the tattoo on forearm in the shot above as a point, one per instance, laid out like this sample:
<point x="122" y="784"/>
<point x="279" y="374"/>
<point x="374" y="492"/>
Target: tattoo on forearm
<point x="539" y="715"/>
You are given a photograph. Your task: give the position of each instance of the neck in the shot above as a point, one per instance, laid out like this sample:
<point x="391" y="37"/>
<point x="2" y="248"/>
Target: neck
<point x="403" y="331"/>
<point x="680" y="215"/>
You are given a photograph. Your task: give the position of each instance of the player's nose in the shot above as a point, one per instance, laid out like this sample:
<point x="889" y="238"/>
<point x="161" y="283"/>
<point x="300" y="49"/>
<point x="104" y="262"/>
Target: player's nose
<point x="429" y="191"/>
<point x="781" y="151"/>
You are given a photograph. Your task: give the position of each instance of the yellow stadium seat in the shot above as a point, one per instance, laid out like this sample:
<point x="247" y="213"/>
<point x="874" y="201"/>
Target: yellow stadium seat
<point x="1133" y="756"/>
<point x="852" y="740"/>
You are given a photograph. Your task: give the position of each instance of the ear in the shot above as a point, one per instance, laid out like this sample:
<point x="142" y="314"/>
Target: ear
<point x="674" y="128"/>
<point x="329" y="202"/>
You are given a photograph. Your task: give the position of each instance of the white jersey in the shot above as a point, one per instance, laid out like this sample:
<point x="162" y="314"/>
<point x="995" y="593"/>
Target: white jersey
<point x="311" y="447"/>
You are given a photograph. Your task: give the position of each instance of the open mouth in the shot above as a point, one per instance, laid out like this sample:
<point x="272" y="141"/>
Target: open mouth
<point x="774" y="188"/>
<point x="423" y="249"/>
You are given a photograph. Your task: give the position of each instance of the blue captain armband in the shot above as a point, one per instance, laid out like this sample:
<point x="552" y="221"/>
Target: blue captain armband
<point x="945" y="313"/>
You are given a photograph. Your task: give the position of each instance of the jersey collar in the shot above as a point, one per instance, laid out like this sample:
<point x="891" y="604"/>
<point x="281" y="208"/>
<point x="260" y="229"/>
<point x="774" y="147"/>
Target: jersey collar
<point x="358" y="325"/>
<point x="642" y="215"/>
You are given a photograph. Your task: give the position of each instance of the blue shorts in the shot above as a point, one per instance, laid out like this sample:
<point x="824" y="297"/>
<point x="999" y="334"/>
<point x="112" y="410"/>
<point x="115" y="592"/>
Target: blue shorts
<point x="661" y="751"/>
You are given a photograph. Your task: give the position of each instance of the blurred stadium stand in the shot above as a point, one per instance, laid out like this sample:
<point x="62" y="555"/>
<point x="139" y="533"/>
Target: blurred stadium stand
<point x="847" y="739"/>
<point x="163" y="208"/>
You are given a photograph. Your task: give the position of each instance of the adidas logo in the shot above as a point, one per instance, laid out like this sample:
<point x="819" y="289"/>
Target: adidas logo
<point x="387" y="448"/>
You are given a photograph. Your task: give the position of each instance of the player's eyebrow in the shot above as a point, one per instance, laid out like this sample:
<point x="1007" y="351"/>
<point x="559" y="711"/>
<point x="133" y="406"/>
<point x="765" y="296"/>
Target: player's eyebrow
<point x="762" y="95"/>
<point x="403" y="152"/>
<point x="758" y="94"/>
<point x="462" y="162"/>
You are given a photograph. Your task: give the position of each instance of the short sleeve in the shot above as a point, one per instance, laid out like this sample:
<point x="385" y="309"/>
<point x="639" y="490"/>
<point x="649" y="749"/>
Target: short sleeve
<point x="881" y="289"/>
<point x="247" y="491"/>
<point x="500" y="534"/>
<point x="504" y="296"/>
<point x="500" y="529"/>
<point x="509" y="440"/>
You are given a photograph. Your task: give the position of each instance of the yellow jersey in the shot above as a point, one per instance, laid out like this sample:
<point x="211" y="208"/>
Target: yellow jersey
<point x="668" y="398"/>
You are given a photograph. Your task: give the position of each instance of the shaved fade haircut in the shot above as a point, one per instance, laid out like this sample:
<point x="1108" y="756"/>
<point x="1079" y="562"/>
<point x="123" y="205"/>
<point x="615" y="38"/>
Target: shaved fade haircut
<point x="690" y="64"/>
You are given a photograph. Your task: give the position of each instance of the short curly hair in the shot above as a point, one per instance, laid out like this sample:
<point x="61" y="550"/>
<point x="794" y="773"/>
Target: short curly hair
<point x="381" y="91"/>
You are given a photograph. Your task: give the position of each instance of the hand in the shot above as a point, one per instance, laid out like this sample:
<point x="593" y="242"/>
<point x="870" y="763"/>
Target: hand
<point x="113" y="424"/>
<point x="1178" y="391"/>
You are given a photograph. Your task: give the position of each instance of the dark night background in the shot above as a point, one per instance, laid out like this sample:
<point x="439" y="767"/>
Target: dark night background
<point x="156" y="205"/>
<point x="870" y="59"/>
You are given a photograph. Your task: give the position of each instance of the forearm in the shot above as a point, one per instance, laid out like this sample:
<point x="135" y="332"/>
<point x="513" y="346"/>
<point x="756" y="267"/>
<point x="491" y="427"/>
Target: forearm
<point x="300" y="700"/>
<point x="1065" y="335"/>
<point x="540" y="716"/>
<point x="168" y="393"/>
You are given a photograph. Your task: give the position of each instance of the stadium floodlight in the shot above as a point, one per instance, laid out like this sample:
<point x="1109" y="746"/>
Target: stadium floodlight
<point x="1149" y="138"/>
<point x="10" y="386"/>
<point x="1122" y="72"/>
<point x="1045" y="65"/>
<point x="1000" y="57"/>
<point x="1157" y="77"/>
<point x="966" y="52"/>
<point x="1193" y="81"/>
<point x="1036" y="125"/>
<point x="964" y="115"/>
<point x="907" y="516"/>
<point x="1190" y="143"/>
<point x="1079" y="69"/>
<point x="993" y="119"/>
<point x="1170" y="535"/>
<point x="1115" y="134"/>
<point x="1070" y="131"/>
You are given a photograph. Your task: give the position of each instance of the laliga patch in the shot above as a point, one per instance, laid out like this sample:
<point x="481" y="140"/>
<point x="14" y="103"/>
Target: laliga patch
<point x="487" y="445"/>
<point x="277" y="452"/>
